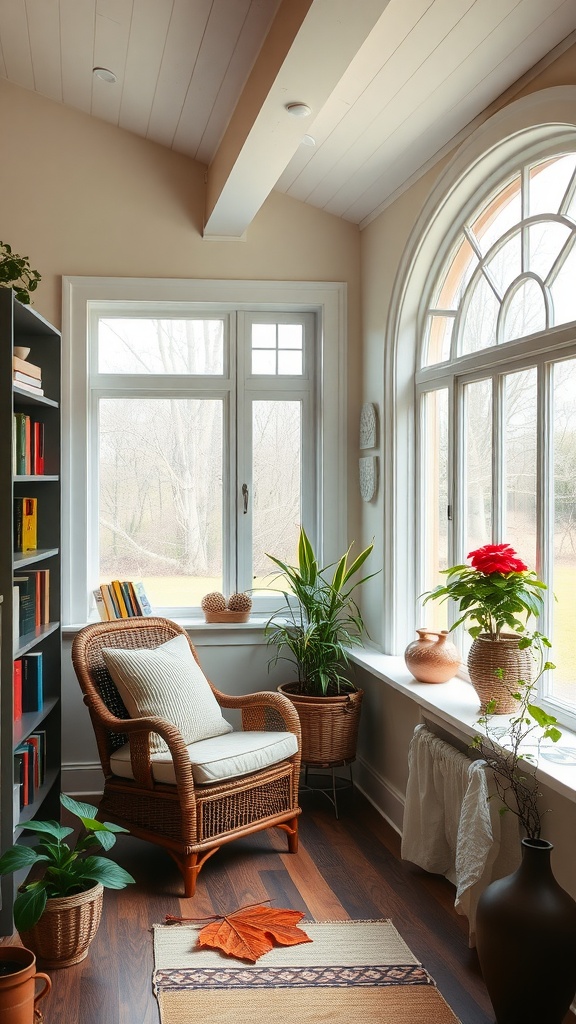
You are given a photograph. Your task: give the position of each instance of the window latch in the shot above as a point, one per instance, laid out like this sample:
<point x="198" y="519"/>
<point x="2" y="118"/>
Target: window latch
<point x="449" y="512"/>
<point x="245" y="497"/>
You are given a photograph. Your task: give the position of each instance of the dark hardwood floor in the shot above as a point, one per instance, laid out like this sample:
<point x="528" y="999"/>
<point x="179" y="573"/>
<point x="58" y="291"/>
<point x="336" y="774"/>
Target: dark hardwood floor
<point x="346" y="868"/>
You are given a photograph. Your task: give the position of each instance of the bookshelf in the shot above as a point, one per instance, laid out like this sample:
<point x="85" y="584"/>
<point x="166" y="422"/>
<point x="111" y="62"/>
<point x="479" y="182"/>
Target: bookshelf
<point x="22" y="326"/>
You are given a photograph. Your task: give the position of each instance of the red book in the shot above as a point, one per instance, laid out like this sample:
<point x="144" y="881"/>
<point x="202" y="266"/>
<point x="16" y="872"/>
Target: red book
<point x="38" y="449"/>
<point x="17" y="705"/>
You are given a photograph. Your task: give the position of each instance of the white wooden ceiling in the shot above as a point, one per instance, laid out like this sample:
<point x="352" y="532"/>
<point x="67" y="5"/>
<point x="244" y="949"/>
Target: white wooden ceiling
<point x="390" y="83"/>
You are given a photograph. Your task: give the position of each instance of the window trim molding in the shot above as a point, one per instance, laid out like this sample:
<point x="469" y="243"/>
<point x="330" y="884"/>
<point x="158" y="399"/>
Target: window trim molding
<point x="522" y="128"/>
<point x="327" y="299"/>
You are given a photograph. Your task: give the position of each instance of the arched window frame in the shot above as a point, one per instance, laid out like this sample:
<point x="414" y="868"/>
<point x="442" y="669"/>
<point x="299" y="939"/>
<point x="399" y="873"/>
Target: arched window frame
<point x="539" y="125"/>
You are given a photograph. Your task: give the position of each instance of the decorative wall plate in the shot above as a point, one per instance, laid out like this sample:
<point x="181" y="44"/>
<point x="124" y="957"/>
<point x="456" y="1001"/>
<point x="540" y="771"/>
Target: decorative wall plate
<point x="368" y="425"/>
<point x="368" y="466"/>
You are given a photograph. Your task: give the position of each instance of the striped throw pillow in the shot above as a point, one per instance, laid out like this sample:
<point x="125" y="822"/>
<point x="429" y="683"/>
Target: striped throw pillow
<point x="167" y="681"/>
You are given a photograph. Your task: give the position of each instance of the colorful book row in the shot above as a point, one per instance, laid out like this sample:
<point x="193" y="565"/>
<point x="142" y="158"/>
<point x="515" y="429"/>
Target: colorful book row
<point x="118" y="600"/>
<point x="28" y="685"/>
<point x="27" y="446"/>
<point x="29" y="767"/>
<point x="31" y="606"/>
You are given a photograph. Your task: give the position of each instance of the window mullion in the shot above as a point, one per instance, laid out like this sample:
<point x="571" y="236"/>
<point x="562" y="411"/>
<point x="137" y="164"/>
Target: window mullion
<point x="498" y="457"/>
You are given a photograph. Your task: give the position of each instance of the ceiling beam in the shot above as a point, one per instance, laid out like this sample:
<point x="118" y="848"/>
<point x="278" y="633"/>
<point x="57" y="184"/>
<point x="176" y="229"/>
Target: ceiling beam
<point x="308" y="48"/>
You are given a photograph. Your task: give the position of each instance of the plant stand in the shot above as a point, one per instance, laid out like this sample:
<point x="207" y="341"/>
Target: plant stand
<point x="329" y="791"/>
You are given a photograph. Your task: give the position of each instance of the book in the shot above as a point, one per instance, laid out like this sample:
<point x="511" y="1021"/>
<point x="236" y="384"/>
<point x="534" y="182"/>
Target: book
<point x="21" y="428"/>
<point x="100" y="604"/>
<point x="17" y="690"/>
<point x="28" y="387"/>
<point x="15" y="617"/>
<point x="25" y="378"/>
<point x="119" y="599"/>
<point x="37" y="448"/>
<point x="39" y="739"/>
<point x="126" y="594"/>
<point x="26" y="604"/>
<point x="41" y="579"/>
<point x="22" y="753"/>
<point x="23" y="366"/>
<point x="34" y="742"/>
<point x="32" y="682"/>
<point x="108" y="602"/>
<point x="25" y="524"/>
<point x="142" y="599"/>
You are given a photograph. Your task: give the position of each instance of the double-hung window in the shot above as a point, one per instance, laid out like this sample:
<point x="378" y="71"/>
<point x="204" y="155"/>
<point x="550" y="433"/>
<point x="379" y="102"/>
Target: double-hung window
<point x="201" y="430"/>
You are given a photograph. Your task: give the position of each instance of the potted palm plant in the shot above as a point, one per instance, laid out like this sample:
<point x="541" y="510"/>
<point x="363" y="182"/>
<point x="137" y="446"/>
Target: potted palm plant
<point x="57" y="913"/>
<point x="314" y="630"/>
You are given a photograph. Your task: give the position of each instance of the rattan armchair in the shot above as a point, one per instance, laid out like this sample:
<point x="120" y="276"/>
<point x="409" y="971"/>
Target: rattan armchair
<point x="190" y="820"/>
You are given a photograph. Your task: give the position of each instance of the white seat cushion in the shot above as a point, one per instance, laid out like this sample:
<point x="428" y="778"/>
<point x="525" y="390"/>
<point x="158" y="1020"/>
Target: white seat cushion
<point x="166" y="681"/>
<point x="216" y="759"/>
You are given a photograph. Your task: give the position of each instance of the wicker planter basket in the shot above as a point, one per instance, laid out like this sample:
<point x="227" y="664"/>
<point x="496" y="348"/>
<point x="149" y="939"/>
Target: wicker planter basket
<point x="64" y="932"/>
<point x="329" y="726"/>
<point x="486" y="657"/>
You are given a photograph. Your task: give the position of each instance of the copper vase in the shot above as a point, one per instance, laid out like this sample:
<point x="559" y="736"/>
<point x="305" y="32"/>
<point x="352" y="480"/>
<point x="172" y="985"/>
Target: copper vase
<point x="432" y="658"/>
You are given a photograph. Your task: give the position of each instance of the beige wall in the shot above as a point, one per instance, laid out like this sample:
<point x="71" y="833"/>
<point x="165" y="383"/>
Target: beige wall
<point x="389" y="717"/>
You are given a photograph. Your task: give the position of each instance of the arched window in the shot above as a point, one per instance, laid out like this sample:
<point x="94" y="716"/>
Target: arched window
<point x="496" y="392"/>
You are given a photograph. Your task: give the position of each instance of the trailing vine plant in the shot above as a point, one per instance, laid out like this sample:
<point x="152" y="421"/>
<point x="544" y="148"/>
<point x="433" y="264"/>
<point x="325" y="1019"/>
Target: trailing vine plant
<point x="514" y="767"/>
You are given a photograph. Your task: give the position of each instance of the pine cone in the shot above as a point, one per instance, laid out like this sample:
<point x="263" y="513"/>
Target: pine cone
<point x="214" y="602"/>
<point x="239" y="603"/>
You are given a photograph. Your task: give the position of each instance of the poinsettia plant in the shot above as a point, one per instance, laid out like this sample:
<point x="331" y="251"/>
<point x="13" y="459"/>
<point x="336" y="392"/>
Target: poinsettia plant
<point x="496" y="591"/>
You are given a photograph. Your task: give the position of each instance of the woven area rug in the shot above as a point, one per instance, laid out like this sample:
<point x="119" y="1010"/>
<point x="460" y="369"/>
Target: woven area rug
<point x="351" y="971"/>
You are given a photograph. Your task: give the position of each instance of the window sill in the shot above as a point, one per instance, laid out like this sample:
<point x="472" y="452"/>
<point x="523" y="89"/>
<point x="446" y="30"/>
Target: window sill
<point x="203" y="633"/>
<point x="455" y="706"/>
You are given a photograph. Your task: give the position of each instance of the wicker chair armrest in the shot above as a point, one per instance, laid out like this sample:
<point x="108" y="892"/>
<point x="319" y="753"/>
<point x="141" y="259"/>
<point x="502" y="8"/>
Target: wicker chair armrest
<point x="258" y="709"/>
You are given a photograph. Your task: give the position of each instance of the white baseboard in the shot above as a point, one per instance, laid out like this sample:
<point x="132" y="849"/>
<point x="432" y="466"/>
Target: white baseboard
<point x="387" y="800"/>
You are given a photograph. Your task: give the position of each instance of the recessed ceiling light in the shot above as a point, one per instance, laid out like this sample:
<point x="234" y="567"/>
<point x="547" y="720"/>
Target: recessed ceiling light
<point x="104" y="74"/>
<point x="308" y="140"/>
<point x="299" y="109"/>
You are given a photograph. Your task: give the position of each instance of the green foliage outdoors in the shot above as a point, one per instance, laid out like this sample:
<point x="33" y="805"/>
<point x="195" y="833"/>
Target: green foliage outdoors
<point x="65" y="870"/>
<point x="16" y="273"/>
<point x="319" y="620"/>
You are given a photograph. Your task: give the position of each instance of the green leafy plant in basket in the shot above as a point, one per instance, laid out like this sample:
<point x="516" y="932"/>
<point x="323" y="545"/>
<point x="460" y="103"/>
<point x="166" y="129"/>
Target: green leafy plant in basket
<point x="16" y="273"/>
<point x="319" y="620"/>
<point x="64" y="870"/>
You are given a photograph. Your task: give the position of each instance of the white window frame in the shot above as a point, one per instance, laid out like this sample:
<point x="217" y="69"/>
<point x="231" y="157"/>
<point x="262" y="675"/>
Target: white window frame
<point x="328" y="473"/>
<point x="535" y="126"/>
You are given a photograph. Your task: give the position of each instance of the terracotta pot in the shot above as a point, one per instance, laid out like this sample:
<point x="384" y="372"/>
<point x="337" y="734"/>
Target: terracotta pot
<point x="64" y="932"/>
<point x="526" y="941"/>
<point x="329" y="726"/>
<point x="18" y="976"/>
<point x="432" y="658"/>
<point x="489" y="656"/>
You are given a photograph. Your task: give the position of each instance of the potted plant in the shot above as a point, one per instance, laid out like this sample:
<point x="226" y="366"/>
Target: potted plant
<point x="16" y="273"/>
<point x="496" y="594"/>
<point x="57" y="913"/>
<point x="314" y="630"/>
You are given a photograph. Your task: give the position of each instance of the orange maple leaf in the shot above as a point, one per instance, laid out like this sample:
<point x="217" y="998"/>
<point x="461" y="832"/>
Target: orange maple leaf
<point x="248" y="934"/>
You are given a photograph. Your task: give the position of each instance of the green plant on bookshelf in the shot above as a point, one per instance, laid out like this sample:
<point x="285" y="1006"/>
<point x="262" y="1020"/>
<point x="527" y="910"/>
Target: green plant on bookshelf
<point x="16" y="273"/>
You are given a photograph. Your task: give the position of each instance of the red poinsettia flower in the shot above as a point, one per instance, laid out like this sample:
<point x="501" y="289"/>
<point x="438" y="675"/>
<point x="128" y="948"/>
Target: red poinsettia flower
<point x="495" y="592"/>
<point x="496" y="558"/>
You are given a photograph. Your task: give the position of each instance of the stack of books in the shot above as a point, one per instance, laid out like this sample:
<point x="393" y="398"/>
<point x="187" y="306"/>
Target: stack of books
<point x="118" y="600"/>
<point x="27" y="376"/>
<point x="27" y="446"/>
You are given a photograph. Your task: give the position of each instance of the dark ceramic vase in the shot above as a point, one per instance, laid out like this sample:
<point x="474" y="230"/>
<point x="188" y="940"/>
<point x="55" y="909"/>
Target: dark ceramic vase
<point x="526" y="941"/>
